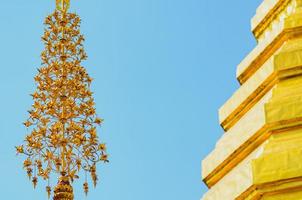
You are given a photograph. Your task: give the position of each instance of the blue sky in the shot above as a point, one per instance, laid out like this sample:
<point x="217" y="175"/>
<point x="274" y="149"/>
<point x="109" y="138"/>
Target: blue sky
<point x="162" y="68"/>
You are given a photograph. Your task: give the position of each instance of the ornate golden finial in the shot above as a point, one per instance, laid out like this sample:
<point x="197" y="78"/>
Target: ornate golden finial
<point x="62" y="122"/>
<point x="62" y="5"/>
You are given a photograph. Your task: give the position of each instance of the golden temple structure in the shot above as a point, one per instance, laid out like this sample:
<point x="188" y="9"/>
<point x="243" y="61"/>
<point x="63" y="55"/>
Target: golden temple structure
<point x="260" y="154"/>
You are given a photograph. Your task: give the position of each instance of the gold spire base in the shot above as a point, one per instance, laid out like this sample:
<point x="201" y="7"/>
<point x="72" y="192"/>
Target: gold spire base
<point x="63" y="191"/>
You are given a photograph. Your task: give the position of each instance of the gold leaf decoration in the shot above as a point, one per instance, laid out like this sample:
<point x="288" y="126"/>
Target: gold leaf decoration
<point x="62" y="122"/>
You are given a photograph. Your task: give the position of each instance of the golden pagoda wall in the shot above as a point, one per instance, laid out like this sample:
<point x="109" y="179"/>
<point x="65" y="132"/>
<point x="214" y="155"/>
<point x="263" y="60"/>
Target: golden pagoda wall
<point x="260" y="154"/>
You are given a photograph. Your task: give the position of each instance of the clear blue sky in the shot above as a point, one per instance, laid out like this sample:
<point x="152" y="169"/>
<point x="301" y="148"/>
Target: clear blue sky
<point x="162" y="68"/>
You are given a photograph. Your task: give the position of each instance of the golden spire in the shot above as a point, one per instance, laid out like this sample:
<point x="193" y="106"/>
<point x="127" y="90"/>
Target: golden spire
<point x="62" y="5"/>
<point x="63" y="136"/>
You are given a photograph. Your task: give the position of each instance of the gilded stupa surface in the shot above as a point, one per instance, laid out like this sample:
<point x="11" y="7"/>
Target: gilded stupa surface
<point x="260" y="154"/>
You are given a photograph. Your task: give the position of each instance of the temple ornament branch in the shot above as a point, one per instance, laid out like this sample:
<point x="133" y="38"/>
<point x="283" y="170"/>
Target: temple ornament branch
<point x="62" y="122"/>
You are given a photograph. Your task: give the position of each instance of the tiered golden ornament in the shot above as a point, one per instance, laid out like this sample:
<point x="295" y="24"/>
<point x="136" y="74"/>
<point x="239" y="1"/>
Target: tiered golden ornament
<point x="63" y="137"/>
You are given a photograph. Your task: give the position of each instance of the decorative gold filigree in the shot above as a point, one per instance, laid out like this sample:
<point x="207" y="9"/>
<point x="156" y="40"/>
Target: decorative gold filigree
<point x="62" y="122"/>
